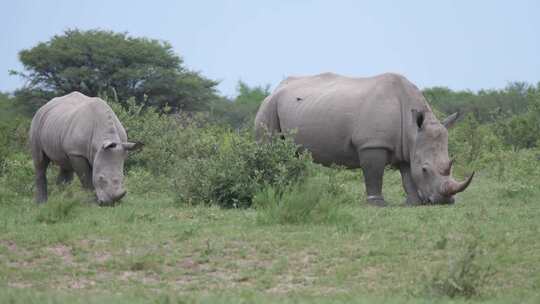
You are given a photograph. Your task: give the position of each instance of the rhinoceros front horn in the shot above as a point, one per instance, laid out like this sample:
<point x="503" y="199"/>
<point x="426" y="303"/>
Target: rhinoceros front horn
<point x="452" y="187"/>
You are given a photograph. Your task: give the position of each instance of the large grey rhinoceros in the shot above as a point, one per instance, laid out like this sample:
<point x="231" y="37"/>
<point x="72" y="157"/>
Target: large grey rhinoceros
<point x="367" y="123"/>
<point x="80" y="134"/>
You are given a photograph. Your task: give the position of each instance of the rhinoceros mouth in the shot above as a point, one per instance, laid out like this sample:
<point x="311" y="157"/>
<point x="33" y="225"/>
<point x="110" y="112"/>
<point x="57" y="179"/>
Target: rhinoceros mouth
<point x="107" y="200"/>
<point x="435" y="200"/>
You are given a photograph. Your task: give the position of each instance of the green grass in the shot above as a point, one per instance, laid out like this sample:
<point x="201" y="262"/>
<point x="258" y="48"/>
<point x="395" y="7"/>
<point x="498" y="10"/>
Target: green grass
<point x="150" y="249"/>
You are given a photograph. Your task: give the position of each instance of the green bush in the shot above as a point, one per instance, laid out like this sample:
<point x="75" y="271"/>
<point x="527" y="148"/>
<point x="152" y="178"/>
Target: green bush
<point x="141" y="182"/>
<point x="228" y="168"/>
<point x="13" y="136"/>
<point x="315" y="200"/>
<point x="464" y="277"/>
<point x="240" y="111"/>
<point x="473" y="144"/>
<point x="518" y="173"/>
<point x="160" y="134"/>
<point x="521" y="131"/>
<point x="16" y="177"/>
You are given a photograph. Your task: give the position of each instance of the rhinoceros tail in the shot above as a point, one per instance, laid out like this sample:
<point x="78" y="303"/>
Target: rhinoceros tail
<point x="267" y="119"/>
<point x="34" y="137"/>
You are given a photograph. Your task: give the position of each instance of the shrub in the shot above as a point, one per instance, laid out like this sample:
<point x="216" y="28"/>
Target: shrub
<point x="139" y="181"/>
<point x="474" y="145"/>
<point x="521" y="131"/>
<point x="16" y="177"/>
<point x="163" y="136"/>
<point x="464" y="277"/>
<point x="315" y="200"/>
<point x="518" y="174"/>
<point x="241" y="110"/>
<point x="13" y="136"/>
<point x="228" y="168"/>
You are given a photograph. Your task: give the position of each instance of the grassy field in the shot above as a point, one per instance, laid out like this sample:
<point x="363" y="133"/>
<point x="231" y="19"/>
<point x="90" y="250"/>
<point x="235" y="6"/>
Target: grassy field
<point x="151" y="249"/>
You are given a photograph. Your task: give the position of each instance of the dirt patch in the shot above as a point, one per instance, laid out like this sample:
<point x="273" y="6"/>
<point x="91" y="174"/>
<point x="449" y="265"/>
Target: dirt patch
<point x="102" y="257"/>
<point x="126" y="275"/>
<point x="145" y="278"/>
<point x="89" y="243"/>
<point x="190" y="264"/>
<point x="286" y="284"/>
<point x="62" y="251"/>
<point x="81" y="283"/>
<point x="19" y="284"/>
<point x="10" y="245"/>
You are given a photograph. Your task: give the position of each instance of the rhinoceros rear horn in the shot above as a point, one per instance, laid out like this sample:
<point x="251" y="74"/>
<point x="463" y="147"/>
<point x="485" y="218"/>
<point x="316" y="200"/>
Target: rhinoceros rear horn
<point x="448" y="170"/>
<point x="450" y="121"/>
<point x="452" y="187"/>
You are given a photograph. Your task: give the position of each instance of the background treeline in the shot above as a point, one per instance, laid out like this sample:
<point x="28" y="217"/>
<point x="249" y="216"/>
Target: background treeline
<point x="187" y="127"/>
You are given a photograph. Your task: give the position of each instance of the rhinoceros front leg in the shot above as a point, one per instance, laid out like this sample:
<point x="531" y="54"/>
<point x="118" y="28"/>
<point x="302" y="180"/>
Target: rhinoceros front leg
<point x="373" y="162"/>
<point x="408" y="185"/>
<point x="40" y="167"/>
<point x="83" y="170"/>
<point x="64" y="177"/>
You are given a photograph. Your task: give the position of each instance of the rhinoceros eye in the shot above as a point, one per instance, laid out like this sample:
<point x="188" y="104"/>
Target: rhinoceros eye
<point x="109" y="145"/>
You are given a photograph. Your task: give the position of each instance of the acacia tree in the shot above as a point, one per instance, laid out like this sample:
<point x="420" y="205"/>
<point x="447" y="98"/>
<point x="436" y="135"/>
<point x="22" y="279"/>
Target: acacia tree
<point x="103" y="62"/>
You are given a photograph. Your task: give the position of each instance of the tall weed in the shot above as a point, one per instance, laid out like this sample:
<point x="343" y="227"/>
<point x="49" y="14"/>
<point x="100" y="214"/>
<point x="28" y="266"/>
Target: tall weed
<point x="311" y="201"/>
<point x="463" y="277"/>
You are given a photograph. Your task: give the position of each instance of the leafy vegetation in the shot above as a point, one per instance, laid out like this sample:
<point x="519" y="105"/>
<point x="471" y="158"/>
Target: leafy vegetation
<point x="233" y="167"/>
<point x="312" y="201"/>
<point x="239" y="112"/>
<point x="96" y="61"/>
<point x="464" y="277"/>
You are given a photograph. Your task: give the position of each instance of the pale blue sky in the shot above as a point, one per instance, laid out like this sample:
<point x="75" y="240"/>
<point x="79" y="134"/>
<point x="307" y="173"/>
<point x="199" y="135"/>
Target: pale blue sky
<point x="459" y="44"/>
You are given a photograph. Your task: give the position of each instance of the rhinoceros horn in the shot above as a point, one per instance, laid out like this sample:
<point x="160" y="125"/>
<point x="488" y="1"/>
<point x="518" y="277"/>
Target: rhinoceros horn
<point x="452" y="187"/>
<point x="448" y="170"/>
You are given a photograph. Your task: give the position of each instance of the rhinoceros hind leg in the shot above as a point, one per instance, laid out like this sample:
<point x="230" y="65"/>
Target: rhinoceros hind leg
<point x="408" y="185"/>
<point x="40" y="166"/>
<point x="373" y="162"/>
<point x="83" y="170"/>
<point x="64" y="177"/>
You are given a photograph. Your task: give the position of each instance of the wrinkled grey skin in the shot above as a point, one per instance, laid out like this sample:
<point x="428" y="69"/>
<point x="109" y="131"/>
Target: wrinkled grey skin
<point x="366" y="123"/>
<point x="82" y="135"/>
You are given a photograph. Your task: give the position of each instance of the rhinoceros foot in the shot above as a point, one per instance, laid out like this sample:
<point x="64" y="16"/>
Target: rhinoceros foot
<point x="376" y="201"/>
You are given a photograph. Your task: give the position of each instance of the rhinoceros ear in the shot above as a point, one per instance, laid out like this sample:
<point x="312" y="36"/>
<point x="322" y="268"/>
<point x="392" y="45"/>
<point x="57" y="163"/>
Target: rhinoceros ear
<point x="450" y="121"/>
<point x="418" y="118"/>
<point x="107" y="144"/>
<point x="130" y="146"/>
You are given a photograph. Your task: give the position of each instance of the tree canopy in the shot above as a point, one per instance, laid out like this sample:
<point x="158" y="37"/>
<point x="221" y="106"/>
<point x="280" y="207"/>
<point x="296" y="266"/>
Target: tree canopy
<point x="485" y="105"/>
<point x="98" y="62"/>
<point x="241" y="110"/>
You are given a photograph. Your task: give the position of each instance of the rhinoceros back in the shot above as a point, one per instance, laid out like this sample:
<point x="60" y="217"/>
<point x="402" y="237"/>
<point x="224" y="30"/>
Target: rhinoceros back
<point x="336" y="116"/>
<point x="73" y="124"/>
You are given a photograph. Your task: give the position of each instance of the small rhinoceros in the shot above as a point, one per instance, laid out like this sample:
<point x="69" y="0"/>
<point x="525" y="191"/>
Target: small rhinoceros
<point x="80" y="134"/>
<point x="367" y="123"/>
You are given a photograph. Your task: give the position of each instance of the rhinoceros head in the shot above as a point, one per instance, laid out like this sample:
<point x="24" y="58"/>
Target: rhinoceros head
<point x="431" y="167"/>
<point x="108" y="170"/>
